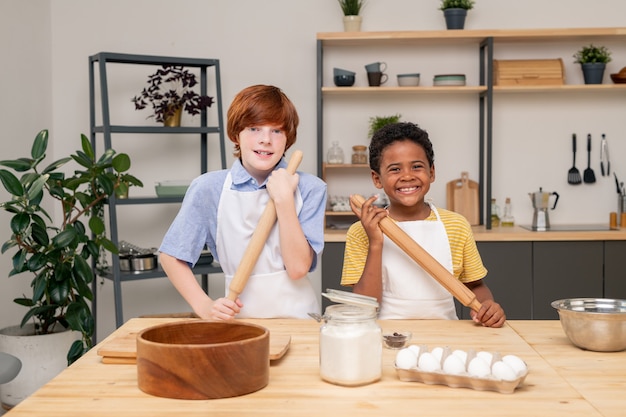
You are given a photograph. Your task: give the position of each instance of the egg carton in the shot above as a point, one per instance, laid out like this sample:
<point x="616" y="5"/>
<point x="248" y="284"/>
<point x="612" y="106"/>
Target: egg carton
<point x="461" y="379"/>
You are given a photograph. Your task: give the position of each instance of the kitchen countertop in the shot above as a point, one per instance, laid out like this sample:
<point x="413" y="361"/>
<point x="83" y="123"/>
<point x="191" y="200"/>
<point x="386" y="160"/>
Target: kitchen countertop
<point x="517" y="233"/>
<point x="563" y="380"/>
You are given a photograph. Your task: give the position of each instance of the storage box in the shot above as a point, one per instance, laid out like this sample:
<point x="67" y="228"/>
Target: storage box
<point x="529" y="72"/>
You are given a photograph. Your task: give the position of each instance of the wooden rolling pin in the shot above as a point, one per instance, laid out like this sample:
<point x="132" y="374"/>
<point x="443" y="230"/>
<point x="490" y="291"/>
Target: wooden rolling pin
<point x="257" y="241"/>
<point x="424" y="259"/>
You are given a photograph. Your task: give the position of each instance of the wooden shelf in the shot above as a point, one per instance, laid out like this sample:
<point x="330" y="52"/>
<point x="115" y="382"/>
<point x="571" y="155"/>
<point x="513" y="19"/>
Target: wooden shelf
<point x="466" y="36"/>
<point x="403" y="90"/>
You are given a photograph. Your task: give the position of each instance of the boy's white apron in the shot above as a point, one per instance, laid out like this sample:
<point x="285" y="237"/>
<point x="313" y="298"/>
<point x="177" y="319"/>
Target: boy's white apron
<point x="269" y="291"/>
<point x="408" y="290"/>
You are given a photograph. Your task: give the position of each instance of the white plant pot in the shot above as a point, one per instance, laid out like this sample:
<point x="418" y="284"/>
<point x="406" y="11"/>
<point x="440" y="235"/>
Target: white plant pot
<point x="352" y="23"/>
<point x="42" y="356"/>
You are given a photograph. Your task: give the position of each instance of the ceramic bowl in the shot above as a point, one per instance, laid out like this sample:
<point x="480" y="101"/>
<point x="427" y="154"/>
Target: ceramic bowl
<point x="409" y="80"/>
<point x="202" y="359"/>
<point x="619" y="78"/>
<point x="344" y="80"/>
<point x="340" y="71"/>
<point x="597" y="324"/>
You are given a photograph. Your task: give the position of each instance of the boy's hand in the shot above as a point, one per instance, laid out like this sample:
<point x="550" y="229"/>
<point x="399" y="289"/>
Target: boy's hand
<point x="370" y="216"/>
<point x="221" y="309"/>
<point x="281" y="185"/>
<point x="490" y="314"/>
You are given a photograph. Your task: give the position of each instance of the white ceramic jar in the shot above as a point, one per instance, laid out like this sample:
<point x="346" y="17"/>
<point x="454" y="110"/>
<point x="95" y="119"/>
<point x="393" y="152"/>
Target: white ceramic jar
<point x="350" y="345"/>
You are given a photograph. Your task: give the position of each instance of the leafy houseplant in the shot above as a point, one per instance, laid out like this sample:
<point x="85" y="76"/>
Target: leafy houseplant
<point x="592" y="54"/>
<point x="379" y="121"/>
<point x="457" y="4"/>
<point x="455" y="12"/>
<point x="59" y="255"/>
<point x="351" y="7"/>
<point x="593" y="60"/>
<point x="170" y="91"/>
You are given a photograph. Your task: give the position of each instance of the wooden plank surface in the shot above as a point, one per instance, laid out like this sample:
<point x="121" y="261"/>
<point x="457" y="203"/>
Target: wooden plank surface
<point x="590" y="373"/>
<point x="90" y="387"/>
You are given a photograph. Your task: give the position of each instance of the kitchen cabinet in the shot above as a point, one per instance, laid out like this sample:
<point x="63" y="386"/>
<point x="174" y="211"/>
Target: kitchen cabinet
<point x="404" y="43"/>
<point x="332" y="265"/>
<point x="565" y="270"/>
<point x="614" y="270"/>
<point x="210" y="137"/>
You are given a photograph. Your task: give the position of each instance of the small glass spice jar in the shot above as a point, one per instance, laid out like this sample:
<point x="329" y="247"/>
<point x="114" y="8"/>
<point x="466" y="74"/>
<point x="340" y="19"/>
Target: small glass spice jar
<point x="350" y="345"/>
<point x="359" y="154"/>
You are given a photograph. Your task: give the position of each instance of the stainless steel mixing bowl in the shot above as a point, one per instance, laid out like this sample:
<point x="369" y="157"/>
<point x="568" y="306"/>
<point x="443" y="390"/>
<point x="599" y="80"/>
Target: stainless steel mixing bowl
<point x="597" y="324"/>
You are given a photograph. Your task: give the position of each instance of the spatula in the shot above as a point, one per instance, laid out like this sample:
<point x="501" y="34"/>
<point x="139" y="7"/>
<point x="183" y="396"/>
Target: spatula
<point x="573" y="175"/>
<point x="588" y="175"/>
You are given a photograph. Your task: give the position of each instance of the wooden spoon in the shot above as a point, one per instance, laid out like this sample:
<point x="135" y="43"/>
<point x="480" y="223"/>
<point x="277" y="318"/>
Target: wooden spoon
<point x="257" y="241"/>
<point x="424" y="259"/>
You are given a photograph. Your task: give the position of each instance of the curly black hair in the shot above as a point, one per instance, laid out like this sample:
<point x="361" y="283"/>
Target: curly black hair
<point x="394" y="132"/>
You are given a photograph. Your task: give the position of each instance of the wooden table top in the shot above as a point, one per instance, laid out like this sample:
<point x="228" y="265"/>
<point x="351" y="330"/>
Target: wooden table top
<point x="563" y="380"/>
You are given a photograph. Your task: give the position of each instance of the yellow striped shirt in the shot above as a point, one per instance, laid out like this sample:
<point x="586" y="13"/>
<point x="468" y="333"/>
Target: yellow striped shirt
<point x="466" y="261"/>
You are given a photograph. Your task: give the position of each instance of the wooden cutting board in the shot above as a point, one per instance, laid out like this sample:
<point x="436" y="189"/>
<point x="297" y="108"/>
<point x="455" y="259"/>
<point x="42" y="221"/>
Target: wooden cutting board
<point x="462" y="198"/>
<point x="123" y="349"/>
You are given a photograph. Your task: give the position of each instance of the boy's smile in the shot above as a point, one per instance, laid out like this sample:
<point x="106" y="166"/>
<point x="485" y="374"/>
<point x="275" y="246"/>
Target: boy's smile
<point x="405" y="176"/>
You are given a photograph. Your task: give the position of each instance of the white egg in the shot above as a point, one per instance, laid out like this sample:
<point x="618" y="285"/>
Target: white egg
<point x="502" y="370"/>
<point x="427" y="362"/>
<point x="438" y="353"/>
<point x="416" y="349"/>
<point x="478" y="367"/>
<point x="461" y="354"/>
<point x="453" y="365"/>
<point x="486" y="356"/>
<point x="406" y="359"/>
<point x="516" y="363"/>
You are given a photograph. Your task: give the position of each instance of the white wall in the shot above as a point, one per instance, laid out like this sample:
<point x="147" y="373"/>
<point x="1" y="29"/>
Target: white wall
<point x="46" y="44"/>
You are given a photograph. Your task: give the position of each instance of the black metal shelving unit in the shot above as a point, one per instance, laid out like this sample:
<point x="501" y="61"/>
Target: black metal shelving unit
<point x="106" y="130"/>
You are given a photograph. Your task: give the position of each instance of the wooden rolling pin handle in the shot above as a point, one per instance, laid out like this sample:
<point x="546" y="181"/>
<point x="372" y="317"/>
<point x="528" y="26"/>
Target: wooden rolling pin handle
<point x="424" y="259"/>
<point x="260" y="235"/>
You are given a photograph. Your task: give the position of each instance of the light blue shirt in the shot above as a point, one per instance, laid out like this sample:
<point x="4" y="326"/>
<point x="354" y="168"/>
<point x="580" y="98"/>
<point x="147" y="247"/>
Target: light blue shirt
<point x="195" y="224"/>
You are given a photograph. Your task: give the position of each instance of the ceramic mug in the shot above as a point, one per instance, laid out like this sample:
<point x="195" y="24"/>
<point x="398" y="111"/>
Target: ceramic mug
<point x="376" y="67"/>
<point x="375" y="79"/>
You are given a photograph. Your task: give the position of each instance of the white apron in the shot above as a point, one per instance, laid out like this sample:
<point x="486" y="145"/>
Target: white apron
<point x="408" y="290"/>
<point x="269" y="292"/>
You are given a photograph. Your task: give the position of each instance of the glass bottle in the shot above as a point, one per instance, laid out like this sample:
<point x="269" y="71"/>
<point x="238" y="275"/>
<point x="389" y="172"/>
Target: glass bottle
<point x="350" y="345"/>
<point x="359" y="156"/>
<point x="495" y="215"/>
<point x="335" y="154"/>
<point x="507" y="217"/>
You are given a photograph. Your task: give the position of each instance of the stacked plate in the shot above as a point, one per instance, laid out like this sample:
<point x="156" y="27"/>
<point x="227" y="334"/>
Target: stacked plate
<point x="449" y="80"/>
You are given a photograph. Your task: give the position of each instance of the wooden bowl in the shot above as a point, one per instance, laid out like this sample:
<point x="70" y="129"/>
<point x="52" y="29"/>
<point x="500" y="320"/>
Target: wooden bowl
<point x="199" y="359"/>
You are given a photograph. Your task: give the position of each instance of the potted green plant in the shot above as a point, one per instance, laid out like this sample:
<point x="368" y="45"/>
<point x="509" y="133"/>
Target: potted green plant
<point x="351" y="14"/>
<point x="377" y="122"/>
<point x="455" y="12"/>
<point x="169" y="92"/>
<point x="60" y="254"/>
<point x="593" y="60"/>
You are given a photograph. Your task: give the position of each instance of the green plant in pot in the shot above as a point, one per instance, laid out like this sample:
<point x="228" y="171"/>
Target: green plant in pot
<point x="455" y="12"/>
<point x="58" y="255"/>
<point x="377" y="122"/>
<point x="170" y="92"/>
<point x="351" y="14"/>
<point x="593" y="60"/>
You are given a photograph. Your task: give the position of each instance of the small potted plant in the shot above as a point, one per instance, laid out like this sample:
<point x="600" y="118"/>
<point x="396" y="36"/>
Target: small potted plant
<point x="455" y="12"/>
<point x="377" y="122"/>
<point x="351" y="14"/>
<point x="593" y="60"/>
<point x="170" y="91"/>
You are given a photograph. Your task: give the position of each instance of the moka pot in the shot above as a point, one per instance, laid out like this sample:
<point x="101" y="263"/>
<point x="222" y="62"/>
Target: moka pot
<point x="541" y="204"/>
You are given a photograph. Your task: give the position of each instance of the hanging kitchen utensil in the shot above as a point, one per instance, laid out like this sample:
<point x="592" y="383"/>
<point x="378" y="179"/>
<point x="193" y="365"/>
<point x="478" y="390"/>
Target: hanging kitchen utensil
<point x="424" y="259"/>
<point x="573" y="175"/>
<point x="605" y="164"/>
<point x="260" y="235"/>
<point x="588" y="175"/>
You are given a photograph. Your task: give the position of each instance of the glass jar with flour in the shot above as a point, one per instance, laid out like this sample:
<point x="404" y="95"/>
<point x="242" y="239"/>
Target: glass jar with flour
<point x="351" y="341"/>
